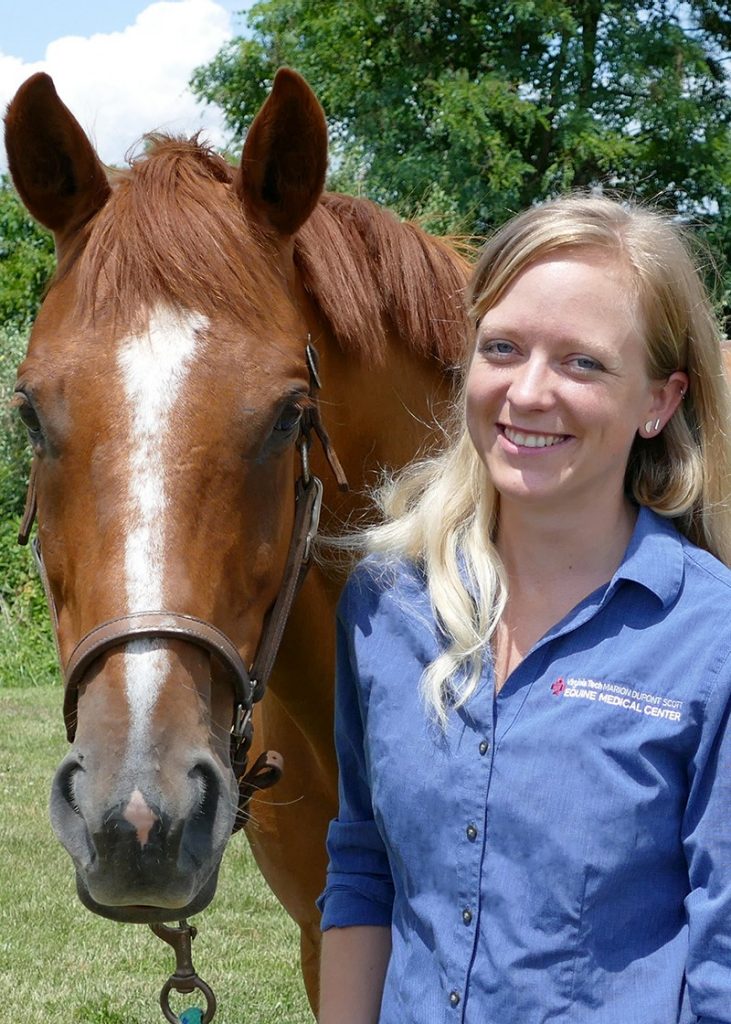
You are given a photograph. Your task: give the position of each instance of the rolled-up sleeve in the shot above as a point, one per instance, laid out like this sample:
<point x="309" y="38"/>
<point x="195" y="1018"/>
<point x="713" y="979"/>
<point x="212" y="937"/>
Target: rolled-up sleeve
<point x="359" y="887"/>
<point x="707" y="840"/>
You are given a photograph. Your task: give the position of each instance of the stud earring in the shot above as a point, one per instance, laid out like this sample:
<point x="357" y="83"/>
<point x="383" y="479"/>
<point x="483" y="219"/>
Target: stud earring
<point x="652" y="428"/>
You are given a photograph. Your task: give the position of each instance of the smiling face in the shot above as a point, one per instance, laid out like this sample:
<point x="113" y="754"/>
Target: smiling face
<point x="558" y="387"/>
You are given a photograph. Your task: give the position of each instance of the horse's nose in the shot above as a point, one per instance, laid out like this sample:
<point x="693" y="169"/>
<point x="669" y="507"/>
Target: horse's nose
<point x="135" y="838"/>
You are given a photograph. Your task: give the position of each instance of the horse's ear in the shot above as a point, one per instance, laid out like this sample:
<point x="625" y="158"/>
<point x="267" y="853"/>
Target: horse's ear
<point x="54" y="167"/>
<point x="283" y="165"/>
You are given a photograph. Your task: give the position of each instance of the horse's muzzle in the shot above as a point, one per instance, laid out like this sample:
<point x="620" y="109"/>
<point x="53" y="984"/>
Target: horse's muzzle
<point x="148" y="857"/>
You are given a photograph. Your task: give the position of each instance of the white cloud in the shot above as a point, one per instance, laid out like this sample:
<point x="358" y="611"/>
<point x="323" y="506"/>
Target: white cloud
<point x="122" y="84"/>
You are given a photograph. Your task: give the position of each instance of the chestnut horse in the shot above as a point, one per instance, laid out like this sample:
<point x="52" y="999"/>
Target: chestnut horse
<point x="165" y="388"/>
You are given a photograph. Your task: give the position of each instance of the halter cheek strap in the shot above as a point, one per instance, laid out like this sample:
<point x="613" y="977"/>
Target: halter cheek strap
<point x="249" y="685"/>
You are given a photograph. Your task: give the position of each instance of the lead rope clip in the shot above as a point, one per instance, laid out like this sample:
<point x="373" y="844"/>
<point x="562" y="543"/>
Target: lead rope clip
<point x="184" y="978"/>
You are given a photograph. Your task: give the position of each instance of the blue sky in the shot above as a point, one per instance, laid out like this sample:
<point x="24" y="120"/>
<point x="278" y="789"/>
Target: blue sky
<point x="27" y="35"/>
<point x="121" y="66"/>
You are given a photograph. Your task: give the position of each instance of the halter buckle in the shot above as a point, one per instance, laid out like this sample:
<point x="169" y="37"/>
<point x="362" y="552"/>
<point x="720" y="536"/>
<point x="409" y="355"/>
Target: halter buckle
<point x="315" y="482"/>
<point x="312" y="365"/>
<point x="304" y="448"/>
<point x="242" y="718"/>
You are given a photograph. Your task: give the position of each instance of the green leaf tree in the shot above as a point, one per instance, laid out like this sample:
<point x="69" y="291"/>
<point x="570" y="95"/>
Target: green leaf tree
<point x="27" y="260"/>
<point x="462" y="113"/>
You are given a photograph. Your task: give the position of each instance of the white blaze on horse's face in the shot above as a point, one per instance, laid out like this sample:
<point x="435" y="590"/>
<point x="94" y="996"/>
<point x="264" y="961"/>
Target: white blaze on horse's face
<point x="154" y="365"/>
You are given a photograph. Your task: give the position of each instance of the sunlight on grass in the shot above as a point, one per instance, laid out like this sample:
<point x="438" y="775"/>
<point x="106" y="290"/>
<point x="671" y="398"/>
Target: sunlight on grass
<point x="62" y="965"/>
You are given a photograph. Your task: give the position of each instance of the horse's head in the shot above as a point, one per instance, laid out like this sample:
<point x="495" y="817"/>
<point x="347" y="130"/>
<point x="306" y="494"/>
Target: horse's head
<point x="163" y="391"/>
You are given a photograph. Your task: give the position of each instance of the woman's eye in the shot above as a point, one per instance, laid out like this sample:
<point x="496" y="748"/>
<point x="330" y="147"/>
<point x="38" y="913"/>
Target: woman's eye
<point x="288" y="420"/>
<point x="586" y="363"/>
<point x="498" y="348"/>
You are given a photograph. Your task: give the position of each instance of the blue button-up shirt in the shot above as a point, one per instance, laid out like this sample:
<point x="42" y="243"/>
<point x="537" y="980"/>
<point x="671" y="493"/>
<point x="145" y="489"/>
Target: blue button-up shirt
<point x="562" y="851"/>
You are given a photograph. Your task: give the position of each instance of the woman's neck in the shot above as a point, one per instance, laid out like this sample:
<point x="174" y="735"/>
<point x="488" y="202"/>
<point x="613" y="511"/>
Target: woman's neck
<point x="545" y="550"/>
<point x="552" y="563"/>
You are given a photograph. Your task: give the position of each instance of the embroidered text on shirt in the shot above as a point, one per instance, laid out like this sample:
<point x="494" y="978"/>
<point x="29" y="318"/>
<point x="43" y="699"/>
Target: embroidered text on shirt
<point x="617" y="695"/>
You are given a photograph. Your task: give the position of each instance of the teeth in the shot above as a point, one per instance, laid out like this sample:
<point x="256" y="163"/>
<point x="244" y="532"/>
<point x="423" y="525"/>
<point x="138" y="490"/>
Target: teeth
<point x="532" y="440"/>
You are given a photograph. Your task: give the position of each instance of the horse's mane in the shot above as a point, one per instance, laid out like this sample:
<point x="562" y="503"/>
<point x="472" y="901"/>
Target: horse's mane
<point x="356" y="257"/>
<point x="174" y="230"/>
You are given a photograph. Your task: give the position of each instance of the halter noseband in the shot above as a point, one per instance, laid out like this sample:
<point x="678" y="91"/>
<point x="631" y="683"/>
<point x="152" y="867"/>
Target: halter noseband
<point x="249" y="684"/>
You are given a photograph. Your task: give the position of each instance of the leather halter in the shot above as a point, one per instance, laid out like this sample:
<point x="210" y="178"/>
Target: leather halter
<point x="249" y="683"/>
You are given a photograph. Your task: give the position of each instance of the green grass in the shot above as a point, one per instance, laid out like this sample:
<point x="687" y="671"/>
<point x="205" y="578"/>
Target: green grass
<point x="60" y="964"/>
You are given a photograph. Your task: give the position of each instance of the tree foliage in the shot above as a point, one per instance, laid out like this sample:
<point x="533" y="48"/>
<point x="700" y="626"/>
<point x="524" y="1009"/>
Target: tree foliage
<point x="462" y="113"/>
<point x="27" y="260"/>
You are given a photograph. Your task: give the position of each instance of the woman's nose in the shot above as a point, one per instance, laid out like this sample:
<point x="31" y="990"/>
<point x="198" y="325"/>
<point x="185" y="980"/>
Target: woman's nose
<point x="531" y="386"/>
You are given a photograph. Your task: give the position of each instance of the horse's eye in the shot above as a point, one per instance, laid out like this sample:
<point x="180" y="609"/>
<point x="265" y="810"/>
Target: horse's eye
<point x="28" y="415"/>
<point x="289" y="420"/>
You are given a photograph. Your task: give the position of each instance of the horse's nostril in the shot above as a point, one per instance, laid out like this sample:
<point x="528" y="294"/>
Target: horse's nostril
<point x="198" y="831"/>
<point x="209" y="788"/>
<point x="67" y="817"/>
<point x="66" y="784"/>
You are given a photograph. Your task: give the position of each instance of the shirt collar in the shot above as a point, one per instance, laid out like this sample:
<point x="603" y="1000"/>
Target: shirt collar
<point x="654" y="557"/>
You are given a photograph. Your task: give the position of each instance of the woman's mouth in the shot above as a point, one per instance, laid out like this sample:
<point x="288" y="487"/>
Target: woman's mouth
<point x="531" y="439"/>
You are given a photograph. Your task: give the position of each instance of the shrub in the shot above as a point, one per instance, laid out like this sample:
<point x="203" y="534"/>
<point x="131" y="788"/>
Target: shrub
<point x="27" y="655"/>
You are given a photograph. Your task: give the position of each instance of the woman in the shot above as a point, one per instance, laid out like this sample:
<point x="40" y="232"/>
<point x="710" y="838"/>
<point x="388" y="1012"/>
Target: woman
<point x="534" y="670"/>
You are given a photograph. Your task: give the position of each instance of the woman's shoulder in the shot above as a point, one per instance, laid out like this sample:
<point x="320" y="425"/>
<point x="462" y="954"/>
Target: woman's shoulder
<point x="663" y="557"/>
<point x="706" y="580"/>
<point x="700" y="619"/>
<point x="379" y="574"/>
<point x="379" y="579"/>
<point x="706" y="568"/>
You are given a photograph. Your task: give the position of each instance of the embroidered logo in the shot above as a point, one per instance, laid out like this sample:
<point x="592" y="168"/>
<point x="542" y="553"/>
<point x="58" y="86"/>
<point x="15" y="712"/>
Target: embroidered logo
<point x="618" y="696"/>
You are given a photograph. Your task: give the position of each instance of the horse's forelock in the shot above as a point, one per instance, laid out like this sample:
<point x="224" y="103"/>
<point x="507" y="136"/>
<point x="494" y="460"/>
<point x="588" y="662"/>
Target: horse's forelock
<point x="173" y="231"/>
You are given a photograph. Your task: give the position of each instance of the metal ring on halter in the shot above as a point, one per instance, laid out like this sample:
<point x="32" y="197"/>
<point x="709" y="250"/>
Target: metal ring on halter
<point x="194" y="983"/>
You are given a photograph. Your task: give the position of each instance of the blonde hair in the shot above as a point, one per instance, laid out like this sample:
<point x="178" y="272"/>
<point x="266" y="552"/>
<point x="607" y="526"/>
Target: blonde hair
<point x="441" y="512"/>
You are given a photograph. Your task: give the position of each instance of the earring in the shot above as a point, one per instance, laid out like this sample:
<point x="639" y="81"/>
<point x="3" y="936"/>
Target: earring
<point x="652" y="428"/>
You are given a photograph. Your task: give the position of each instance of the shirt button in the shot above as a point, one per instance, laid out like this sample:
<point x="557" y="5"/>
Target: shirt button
<point x="467" y="915"/>
<point x="484" y="747"/>
<point x="471" y="832"/>
<point x="454" y="998"/>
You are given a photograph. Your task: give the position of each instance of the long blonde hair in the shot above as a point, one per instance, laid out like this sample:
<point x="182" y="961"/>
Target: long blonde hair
<point x="442" y="512"/>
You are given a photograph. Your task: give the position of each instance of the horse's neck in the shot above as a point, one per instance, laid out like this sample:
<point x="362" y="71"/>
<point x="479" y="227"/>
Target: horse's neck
<point x="381" y="416"/>
<point x="377" y="417"/>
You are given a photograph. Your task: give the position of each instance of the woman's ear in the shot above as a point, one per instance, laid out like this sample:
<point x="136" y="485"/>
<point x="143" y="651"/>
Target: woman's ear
<point x="665" y="399"/>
